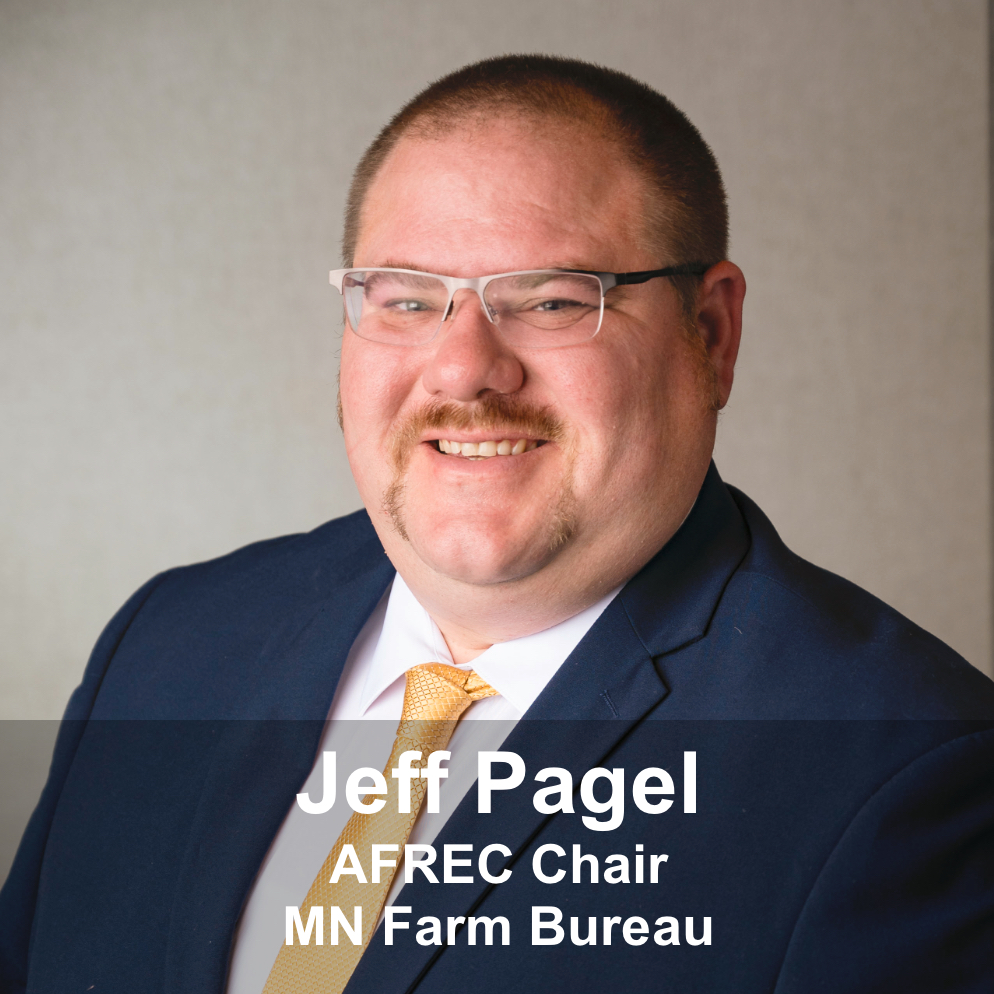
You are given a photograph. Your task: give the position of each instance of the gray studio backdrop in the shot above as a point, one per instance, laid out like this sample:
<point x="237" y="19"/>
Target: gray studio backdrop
<point x="173" y="175"/>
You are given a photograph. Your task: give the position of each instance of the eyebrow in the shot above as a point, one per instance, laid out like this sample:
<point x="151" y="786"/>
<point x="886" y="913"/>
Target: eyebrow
<point x="395" y="264"/>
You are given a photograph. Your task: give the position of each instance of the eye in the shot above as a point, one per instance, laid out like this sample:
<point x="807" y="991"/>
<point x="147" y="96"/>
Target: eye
<point x="408" y="306"/>
<point x="556" y="304"/>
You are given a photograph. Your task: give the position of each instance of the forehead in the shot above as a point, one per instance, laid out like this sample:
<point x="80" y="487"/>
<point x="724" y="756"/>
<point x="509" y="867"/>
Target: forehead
<point x="505" y="194"/>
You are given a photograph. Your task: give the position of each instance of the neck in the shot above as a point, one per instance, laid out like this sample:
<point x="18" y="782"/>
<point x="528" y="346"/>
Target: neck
<point x="464" y="645"/>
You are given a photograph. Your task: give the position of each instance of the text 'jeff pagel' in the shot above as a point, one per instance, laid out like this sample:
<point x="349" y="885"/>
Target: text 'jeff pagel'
<point x="653" y="790"/>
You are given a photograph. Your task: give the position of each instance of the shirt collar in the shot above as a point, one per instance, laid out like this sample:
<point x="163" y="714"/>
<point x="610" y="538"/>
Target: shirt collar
<point x="518" y="669"/>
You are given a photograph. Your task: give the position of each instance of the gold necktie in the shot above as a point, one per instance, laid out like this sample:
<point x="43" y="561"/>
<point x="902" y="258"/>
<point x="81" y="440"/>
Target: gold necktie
<point x="434" y="699"/>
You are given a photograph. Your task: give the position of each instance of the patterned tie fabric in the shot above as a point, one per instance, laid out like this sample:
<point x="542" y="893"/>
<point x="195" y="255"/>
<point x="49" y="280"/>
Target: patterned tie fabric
<point x="435" y="697"/>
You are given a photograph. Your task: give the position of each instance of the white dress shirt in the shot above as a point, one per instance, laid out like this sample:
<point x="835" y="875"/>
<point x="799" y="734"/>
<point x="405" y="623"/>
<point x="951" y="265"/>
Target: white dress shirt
<point x="361" y="729"/>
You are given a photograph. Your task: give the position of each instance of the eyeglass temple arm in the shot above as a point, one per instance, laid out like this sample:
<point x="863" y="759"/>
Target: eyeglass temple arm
<point x="629" y="279"/>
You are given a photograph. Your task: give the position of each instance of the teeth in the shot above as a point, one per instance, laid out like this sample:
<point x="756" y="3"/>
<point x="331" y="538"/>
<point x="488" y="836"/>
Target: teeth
<point x="485" y="450"/>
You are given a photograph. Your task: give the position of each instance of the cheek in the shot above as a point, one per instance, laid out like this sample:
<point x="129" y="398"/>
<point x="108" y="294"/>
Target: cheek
<point x="623" y="391"/>
<point x="376" y="380"/>
<point x="633" y="411"/>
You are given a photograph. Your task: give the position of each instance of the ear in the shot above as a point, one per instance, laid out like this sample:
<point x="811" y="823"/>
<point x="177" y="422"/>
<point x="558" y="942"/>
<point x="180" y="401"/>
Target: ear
<point x="719" y="321"/>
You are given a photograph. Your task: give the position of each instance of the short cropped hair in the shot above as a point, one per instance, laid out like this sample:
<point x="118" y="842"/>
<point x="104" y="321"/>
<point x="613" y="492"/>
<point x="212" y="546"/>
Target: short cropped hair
<point x="686" y="213"/>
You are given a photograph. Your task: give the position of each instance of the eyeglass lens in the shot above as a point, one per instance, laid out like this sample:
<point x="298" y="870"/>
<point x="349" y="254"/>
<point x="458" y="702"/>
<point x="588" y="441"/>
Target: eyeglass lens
<point x="533" y="310"/>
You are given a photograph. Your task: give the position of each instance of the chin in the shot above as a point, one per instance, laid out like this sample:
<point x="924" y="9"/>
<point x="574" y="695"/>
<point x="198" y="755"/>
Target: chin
<point x="473" y="556"/>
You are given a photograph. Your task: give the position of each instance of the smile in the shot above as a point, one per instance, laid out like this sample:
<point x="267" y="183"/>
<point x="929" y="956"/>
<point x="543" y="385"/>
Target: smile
<point x="487" y="449"/>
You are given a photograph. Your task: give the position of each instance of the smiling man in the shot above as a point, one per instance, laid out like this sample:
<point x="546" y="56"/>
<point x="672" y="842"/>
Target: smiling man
<point x="531" y="451"/>
<point x="540" y="329"/>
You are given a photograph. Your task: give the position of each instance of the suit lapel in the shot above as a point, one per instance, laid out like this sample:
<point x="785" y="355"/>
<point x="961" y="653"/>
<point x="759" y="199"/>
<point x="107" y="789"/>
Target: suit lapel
<point x="672" y="600"/>
<point x="258" y="765"/>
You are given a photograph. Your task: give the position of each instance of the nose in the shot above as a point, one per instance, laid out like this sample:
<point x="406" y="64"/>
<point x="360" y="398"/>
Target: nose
<point x="471" y="358"/>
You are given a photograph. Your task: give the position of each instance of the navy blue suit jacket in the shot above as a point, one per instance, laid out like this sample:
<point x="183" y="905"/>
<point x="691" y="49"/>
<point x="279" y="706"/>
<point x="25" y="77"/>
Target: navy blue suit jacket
<point x="844" y="839"/>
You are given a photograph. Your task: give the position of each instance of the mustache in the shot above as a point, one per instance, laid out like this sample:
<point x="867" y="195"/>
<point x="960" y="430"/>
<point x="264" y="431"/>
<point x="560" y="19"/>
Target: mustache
<point x="499" y="413"/>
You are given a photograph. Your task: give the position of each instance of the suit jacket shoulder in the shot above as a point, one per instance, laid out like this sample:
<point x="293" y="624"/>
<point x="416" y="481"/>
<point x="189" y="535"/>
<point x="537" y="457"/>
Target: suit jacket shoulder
<point x="208" y="640"/>
<point x="777" y="637"/>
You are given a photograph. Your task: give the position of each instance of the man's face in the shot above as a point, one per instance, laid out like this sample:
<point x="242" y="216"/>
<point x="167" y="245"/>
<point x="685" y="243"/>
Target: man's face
<point x="617" y="430"/>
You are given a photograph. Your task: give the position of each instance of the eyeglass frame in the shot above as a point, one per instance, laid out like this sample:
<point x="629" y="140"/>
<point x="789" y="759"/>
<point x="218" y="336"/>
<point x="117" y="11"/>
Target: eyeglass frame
<point x="478" y="284"/>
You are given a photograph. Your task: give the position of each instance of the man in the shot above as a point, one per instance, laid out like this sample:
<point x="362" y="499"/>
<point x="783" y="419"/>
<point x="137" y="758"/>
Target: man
<point x="541" y="328"/>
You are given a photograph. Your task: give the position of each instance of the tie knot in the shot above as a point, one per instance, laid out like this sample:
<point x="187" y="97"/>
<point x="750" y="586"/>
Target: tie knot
<point x="439" y="692"/>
